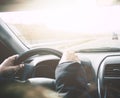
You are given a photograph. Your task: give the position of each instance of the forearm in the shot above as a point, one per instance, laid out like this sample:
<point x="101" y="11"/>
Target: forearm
<point x="70" y="80"/>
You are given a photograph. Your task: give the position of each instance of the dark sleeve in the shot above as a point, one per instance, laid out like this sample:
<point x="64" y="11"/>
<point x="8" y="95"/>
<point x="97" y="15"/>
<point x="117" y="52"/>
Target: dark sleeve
<point x="71" y="80"/>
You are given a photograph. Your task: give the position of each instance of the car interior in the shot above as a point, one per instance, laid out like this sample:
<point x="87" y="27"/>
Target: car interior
<point x="102" y="66"/>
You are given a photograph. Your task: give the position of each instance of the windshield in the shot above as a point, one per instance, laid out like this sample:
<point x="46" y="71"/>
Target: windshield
<point x="82" y="24"/>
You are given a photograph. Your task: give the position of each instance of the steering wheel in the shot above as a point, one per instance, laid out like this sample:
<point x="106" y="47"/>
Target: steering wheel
<point x="41" y="51"/>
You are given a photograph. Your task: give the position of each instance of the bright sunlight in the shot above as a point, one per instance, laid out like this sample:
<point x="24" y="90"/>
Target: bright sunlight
<point x="74" y="17"/>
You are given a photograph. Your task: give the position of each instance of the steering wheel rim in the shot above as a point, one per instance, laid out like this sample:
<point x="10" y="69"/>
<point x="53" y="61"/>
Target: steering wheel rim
<point x="42" y="51"/>
<point x="22" y="57"/>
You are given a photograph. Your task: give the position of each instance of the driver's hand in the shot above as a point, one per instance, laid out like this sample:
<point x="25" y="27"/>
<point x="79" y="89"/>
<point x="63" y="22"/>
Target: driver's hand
<point x="69" y="56"/>
<point x="8" y="67"/>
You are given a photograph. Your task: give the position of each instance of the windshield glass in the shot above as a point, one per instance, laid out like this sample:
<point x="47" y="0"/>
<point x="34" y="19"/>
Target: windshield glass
<point x="82" y="24"/>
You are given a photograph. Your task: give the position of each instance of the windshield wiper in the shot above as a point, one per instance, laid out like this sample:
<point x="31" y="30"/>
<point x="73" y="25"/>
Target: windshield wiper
<point x="102" y="49"/>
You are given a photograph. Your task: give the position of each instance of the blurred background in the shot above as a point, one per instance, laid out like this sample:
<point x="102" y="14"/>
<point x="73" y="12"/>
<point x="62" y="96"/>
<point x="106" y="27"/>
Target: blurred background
<point x="13" y="5"/>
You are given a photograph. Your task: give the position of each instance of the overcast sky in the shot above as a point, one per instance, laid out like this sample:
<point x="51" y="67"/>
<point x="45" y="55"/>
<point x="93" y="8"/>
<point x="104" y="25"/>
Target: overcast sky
<point x="70" y="15"/>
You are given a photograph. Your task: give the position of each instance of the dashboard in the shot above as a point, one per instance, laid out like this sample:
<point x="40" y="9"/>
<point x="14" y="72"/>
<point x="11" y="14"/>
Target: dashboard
<point x="109" y="77"/>
<point x="106" y="67"/>
<point x="102" y="71"/>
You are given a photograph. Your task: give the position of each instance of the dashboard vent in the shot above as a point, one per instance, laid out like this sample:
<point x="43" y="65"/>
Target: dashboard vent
<point x="112" y="70"/>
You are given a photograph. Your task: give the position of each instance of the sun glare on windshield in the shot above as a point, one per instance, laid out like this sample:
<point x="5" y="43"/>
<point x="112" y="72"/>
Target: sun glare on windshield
<point x="78" y="16"/>
<point x="65" y="20"/>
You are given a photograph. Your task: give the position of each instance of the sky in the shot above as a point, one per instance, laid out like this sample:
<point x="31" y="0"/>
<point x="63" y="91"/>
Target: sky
<point x="70" y="16"/>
